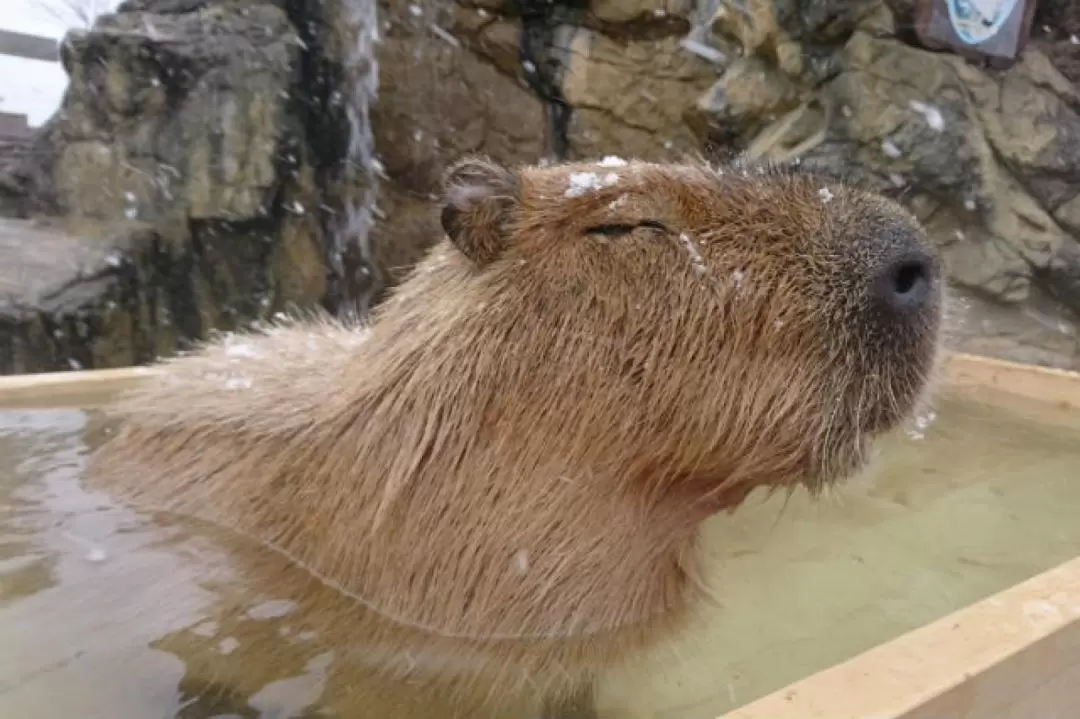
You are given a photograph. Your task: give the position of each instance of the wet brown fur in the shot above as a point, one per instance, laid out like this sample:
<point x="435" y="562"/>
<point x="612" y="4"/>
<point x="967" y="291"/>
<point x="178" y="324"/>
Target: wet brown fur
<point x="509" y="464"/>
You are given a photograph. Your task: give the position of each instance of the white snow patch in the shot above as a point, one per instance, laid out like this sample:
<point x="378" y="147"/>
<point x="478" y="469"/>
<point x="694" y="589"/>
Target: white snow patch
<point x="612" y="161"/>
<point x="235" y="383"/>
<point x="582" y="182"/>
<point x="696" y="259"/>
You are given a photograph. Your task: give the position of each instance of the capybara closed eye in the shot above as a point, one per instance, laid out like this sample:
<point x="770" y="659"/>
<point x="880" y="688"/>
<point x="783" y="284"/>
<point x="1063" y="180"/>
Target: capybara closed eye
<point x="513" y="457"/>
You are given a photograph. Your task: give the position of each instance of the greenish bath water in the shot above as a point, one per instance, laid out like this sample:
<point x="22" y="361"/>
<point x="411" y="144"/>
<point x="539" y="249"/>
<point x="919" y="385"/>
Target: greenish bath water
<point x="106" y="614"/>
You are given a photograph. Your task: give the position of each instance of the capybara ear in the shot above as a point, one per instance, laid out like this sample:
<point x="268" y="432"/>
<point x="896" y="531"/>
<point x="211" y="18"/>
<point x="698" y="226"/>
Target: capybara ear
<point x="478" y="197"/>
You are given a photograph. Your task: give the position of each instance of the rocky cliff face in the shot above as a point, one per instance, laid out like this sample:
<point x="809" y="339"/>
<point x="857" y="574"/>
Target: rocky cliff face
<point x="285" y="153"/>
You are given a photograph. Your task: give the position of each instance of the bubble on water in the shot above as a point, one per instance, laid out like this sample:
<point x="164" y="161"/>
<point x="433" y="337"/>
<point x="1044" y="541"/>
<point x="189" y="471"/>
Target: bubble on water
<point x="228" y="645"/>
<point x="921" y="423"/>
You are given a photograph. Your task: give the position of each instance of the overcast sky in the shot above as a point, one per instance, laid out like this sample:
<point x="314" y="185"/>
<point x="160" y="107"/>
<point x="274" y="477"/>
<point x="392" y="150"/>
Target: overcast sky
<point x="29" y="86"/>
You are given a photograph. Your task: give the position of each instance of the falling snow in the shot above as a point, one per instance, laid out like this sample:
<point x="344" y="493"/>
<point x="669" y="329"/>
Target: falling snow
<point x="890" y="149"/>
<point x="825" y="194"/>
<point x="702" y="50"/>
<point x="931" y="114"/>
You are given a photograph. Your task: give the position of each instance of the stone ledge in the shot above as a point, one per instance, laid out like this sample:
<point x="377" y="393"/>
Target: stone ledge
<point x="81" y="297"/>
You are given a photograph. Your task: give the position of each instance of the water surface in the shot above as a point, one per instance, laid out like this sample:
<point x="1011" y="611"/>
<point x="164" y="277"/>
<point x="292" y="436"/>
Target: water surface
<point x="107" y="614"/>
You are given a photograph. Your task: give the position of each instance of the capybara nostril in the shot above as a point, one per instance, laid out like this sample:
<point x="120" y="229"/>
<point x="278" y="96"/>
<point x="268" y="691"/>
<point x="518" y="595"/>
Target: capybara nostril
<point x="905" y="284"/>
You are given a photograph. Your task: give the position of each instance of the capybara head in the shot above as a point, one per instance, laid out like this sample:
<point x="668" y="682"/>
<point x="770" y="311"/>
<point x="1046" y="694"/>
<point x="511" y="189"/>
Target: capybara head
<point x="520" y="444"/>
<point x="739" y="327"/>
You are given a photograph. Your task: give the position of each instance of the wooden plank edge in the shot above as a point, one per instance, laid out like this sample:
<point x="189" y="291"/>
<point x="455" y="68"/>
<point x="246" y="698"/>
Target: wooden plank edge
<point x="958" y="370"/>
<point x="1045" y="384"/>
<point x="56" y="387"/>
<point x="979" y="662"/>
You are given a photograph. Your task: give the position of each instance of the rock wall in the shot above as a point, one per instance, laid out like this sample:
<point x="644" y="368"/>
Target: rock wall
<point x="285" y="153"/>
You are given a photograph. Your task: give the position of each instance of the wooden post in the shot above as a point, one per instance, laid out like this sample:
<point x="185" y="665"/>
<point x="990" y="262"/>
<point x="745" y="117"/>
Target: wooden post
<point x="30" y="47"/>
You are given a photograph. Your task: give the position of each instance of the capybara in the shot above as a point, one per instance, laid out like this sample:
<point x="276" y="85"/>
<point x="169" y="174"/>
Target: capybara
<point x="508" y="464"/>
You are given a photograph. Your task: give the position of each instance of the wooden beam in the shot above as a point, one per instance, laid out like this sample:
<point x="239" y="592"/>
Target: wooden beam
<point x="30" y="47"/>
<point x="1014" y="655"/>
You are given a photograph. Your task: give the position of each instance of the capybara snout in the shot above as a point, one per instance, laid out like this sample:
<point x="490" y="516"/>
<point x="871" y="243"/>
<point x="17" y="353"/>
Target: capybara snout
<point x="738" y="300"/>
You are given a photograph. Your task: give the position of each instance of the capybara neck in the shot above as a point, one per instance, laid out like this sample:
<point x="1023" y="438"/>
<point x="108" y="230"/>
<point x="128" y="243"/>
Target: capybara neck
<point x="596" y="357"/>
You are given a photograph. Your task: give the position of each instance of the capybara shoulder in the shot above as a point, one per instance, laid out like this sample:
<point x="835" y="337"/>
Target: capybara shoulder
<point x="522" y="441"/>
